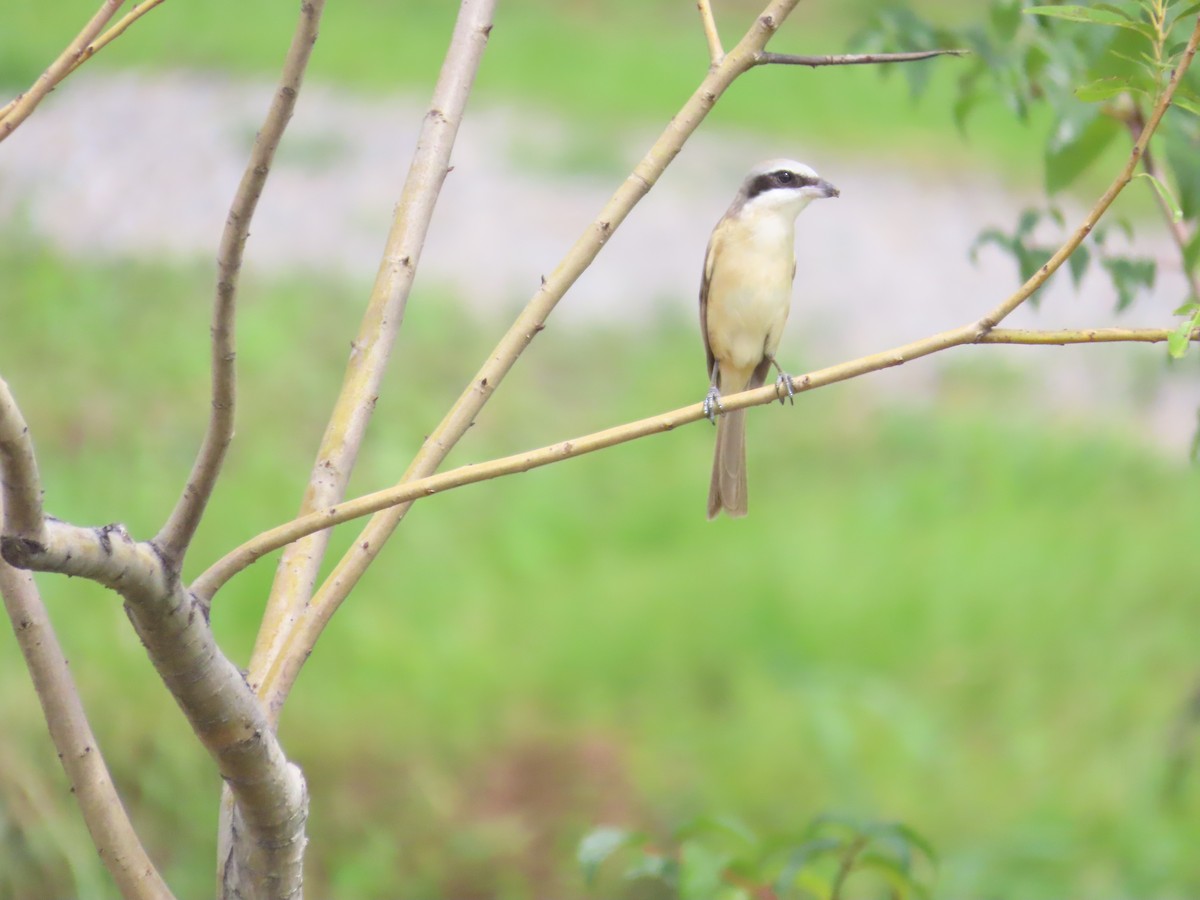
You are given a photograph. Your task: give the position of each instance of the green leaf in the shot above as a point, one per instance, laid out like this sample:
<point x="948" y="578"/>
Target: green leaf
<point x="598" y="845"/>
<point x="907" y="835"/>
<point x="1187" y="309"/>
<point x="901" y="881"/>
<point x="1191" y="252"/>
<point x="1092" y="16"/>
<point x="1077" y="262"/>
<point x="1179" y="339"/>
<point x="718" y="826"/>
<point x="1005" y="16"/>
<point x="654" y="867"/>
<point x="801" y="856"/>
<point x="700" y="871"/>
<point x="1181" y="140"/>
<point x="1082" y="135"/>
<point x="1128" y="275"/>
<point x="1103" y="89"/>
<point x="1168" y="197"/>
<point x="1186" y="99"/>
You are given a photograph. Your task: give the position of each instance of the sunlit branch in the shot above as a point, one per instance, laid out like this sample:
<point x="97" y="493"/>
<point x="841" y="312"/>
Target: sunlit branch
<point x="269" y="541"/>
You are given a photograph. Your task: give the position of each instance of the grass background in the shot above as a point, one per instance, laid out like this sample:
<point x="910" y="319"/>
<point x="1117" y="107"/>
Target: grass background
<point x="963" y="617"/>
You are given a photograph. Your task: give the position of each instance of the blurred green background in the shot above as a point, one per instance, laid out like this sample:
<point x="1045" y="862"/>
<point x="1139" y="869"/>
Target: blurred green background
<point x="960" y="617"/>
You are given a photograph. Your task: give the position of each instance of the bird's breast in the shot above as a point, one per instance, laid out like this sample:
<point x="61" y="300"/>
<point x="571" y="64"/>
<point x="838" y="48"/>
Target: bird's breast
<point x="749" y="292"/>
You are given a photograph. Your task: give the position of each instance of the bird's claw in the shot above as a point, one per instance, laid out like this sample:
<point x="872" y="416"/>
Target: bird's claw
<point x="712" y="404"/>
<point x="783" y="386"/>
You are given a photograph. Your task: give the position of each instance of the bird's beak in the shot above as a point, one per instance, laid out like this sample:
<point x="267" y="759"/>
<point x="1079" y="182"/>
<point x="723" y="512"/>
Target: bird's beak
<point x="827" y="189"/>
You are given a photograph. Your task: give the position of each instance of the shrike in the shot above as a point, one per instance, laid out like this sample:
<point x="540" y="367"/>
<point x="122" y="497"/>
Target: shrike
<point x="744" y="301"/>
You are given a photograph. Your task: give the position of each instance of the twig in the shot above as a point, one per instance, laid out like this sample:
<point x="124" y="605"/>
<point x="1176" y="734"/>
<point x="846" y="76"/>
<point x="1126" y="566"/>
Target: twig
<point x="297" y="572"/>
<point x="279" y="677"/>
<point x="715" y="51"/>
<point x="115" y="31"/>
<point x="177" y="533"/>
<point x="27" y="102"/>
<point x="269" y="541"/>
<point x="112" y="833"/>
<point x="850" y="59"/>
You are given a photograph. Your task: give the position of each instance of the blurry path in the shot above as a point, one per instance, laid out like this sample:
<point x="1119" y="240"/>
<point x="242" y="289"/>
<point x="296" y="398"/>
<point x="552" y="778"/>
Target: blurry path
<point x="123" y="164"/>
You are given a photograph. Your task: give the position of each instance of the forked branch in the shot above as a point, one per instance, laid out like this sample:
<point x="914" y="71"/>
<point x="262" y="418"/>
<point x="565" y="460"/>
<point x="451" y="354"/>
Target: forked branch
<point x="19" y="110"/>
<point x="715" y="51"/>
<point x="372" y="348"/>
<point x="180" y="527"/>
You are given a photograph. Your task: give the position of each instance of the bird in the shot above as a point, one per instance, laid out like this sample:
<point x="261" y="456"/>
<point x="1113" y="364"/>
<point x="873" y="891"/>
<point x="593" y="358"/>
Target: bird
<point x="745" y="297"/>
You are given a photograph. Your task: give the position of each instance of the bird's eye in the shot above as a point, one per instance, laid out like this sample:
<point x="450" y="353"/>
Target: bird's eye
<point x="783" y="176"/>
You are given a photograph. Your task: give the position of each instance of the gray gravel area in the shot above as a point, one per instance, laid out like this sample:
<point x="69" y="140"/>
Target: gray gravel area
<point x="133" y="165"/>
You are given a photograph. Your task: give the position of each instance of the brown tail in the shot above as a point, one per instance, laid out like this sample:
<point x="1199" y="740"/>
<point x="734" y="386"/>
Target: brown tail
<point x="728" y="489"/>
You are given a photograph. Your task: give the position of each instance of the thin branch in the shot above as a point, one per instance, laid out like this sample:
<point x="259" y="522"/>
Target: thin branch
<point x="850" y="59"/>
<point x="715" y="51"/>
<point x="112" y="833"/>
<point x="20" y="484"/>
<point x="27" y="102"/>
<point x="278" y="677"/>
<point x="269" y="541"/>
<point x="113" y="32"/>
<point x="371" y="349"/>
<point x="177" y="533"/>
<point x="223" y="711"/>
<point x="1064" y="336"/>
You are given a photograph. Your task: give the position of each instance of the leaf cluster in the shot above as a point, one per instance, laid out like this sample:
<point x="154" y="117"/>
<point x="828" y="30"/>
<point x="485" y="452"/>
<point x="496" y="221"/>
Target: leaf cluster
<point x="720" y="858"/>
<point x="1097" y="70"/>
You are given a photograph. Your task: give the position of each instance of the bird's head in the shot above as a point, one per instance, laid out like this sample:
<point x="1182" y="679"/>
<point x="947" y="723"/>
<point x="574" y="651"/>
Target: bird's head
<point x="784" y="186"/>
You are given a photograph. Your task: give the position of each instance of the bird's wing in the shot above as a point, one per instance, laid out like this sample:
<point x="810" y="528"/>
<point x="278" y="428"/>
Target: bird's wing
<point x="710" y="256"/>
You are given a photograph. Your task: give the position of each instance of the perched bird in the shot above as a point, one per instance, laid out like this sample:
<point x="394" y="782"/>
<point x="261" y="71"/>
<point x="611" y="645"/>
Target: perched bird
<point x="744" y="301"/>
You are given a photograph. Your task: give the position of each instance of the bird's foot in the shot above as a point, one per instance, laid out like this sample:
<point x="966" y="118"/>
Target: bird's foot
<point x="783" y="387"/>
<point x="712" y="404"/>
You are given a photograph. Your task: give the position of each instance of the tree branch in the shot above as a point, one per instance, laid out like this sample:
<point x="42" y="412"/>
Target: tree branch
<point x="24" y="523"/>
<point x="20" y="484"/>
<point x="25" y="104"/>
<point x="715" y="51"/>
<point x="850" y="59"/>
<point x="114" y="32"/>
<point x="180" y="527"/>
<point x="112" y="833"/>
<point x="278" y="676"/>
<point x="222" y="710"/>
<point x="269" y="541"/>
<point x="371" y="350"/>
